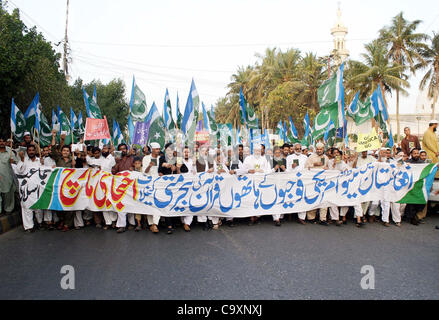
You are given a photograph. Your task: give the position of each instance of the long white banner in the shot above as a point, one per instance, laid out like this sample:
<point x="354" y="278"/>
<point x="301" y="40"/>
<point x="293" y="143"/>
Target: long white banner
<point x="223" y="195"/>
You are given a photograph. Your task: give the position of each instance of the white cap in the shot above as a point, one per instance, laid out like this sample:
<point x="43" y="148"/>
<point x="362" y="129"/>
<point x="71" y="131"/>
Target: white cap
<point x="257" y="147"/>
<point x="155" y="145"/>
<point x="304" y="148"/>
<point x="433" y="122"/>
<point x="27" y="133"/>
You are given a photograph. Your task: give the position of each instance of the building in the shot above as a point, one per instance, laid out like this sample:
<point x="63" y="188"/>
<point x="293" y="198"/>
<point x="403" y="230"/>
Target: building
<point x="339" y="32"/>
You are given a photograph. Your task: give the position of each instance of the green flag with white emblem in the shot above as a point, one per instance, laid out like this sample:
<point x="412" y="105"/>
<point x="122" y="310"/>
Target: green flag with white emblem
<point x="327" y="93"/>
<point x="323" y="120"/>
<point x="157" y="127"/>
<point x="65" y="126"/>
<point x="138" y="107"/>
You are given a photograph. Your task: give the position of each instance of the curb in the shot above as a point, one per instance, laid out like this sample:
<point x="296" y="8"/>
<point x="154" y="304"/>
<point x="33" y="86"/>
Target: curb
<point x="9" y="222"/>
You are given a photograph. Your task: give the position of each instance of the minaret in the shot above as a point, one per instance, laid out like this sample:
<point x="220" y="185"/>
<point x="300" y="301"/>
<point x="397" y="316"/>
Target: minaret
<point x="339" y="32"/>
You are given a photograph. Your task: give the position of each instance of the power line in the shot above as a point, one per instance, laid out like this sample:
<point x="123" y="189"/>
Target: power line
<point x="137" y="70"/>
<point x="155" y="82"/>
<point x="155" y="66"/>
<point x="206" y="45"/>
<point x="35" y="22"/>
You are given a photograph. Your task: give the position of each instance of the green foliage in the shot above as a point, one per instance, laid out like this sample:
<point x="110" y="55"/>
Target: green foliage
<point x="29" y="64"/>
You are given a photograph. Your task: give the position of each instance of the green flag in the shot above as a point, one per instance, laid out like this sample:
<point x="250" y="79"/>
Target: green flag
<point x="252" y="121"/>
<point x="18" y="122"/>
<point x="157" y="128"/>
<point x="65" y="126"/>
<point x="45" y="133"/>
<point x="93" y="110"/>
<point x="323" y="120"/>
<point x="138" y="107"/>
<point x="327" y="93"/>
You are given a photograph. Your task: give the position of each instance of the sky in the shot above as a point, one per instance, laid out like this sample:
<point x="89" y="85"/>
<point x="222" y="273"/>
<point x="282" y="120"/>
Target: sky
<point x="165" y="44"/>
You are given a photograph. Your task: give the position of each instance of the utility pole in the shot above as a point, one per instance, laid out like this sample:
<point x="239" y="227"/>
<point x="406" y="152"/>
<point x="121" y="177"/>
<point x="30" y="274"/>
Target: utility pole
<point x="66" y="45"/>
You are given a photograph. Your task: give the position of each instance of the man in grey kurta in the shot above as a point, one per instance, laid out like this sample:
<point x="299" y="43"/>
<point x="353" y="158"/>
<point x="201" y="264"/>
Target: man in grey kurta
<point x="7" y="185"/>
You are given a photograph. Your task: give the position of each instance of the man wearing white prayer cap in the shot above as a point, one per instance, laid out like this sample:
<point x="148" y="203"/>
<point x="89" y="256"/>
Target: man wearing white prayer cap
<point x="27" y="139"/>
<point x="256" y="164"/>
<point x="150" y="167"/>
<point x="385" y="205"/>
<point x="363" y="160"/>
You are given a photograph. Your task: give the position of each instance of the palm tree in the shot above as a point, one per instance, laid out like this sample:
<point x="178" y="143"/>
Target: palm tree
<point x="431" y="56"/>
<point x="377" y="70"/>
<point x="311" y="75"/>
<point x="404" y="48"/>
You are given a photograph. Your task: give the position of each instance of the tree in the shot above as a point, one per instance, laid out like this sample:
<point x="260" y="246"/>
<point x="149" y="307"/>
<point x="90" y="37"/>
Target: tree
<point x="376" y="70"/>
<point x="431" y="77"/>
<point x="404" y="48"/>
<point x="28" y="64"/>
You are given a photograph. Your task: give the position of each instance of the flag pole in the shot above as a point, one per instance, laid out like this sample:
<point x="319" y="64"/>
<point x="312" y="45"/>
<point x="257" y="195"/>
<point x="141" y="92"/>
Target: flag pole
<point x="39" y="146"/>
<point x="10" y="150"/>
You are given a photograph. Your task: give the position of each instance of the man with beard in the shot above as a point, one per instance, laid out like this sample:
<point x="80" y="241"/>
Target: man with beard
<point x="362" y="161"/>
<point x="241" y="153"/>
<point x="7" y="184"/>
<point x="150" y="167"/>
<point x="256" y="164"/>
<point x="286" y="150"/>
<point x="423" y="155"/>
<point x="24" y="165"/>
<point x="169" y="165"/>
<point x="385" y="205"/>
<point x="126" y="163"/>
<point x="295" y="163"/>
<point x="413" y="211"/>
<point x="318" y="160"/>
<point x="279" y="165"/>
<point x="430" y="143"/>
<point x="204" y="163"/>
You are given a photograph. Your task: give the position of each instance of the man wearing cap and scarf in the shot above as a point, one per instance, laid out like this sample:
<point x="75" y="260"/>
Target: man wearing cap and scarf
<point x="319" y="161"/>
<point x="150" y="167"/>
<point x="430" y="143"/>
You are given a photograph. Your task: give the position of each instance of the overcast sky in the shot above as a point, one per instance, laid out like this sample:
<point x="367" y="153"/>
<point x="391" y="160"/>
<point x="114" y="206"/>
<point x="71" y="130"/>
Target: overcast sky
<point x="167" y="43"/>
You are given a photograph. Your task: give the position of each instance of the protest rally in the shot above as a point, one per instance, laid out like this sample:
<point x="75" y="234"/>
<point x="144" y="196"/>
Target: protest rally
<point x="219" y="150"/>
<point x="73" y="173"/>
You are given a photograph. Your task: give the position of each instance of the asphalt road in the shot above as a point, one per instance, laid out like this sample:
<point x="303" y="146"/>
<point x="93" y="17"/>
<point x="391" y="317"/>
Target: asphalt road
<point x="258" y="262"/>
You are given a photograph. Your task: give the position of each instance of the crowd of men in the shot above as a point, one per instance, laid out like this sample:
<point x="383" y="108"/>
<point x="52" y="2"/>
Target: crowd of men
<point x="228" y="161"/>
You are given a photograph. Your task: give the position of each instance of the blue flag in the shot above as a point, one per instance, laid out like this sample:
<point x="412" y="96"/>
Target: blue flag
<point x="243" y="103"/>
<point x="131" y="128"/>
<point x="189" y="112"/>
<point x="205" y="118"/>
<point x="306" y="125"/>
